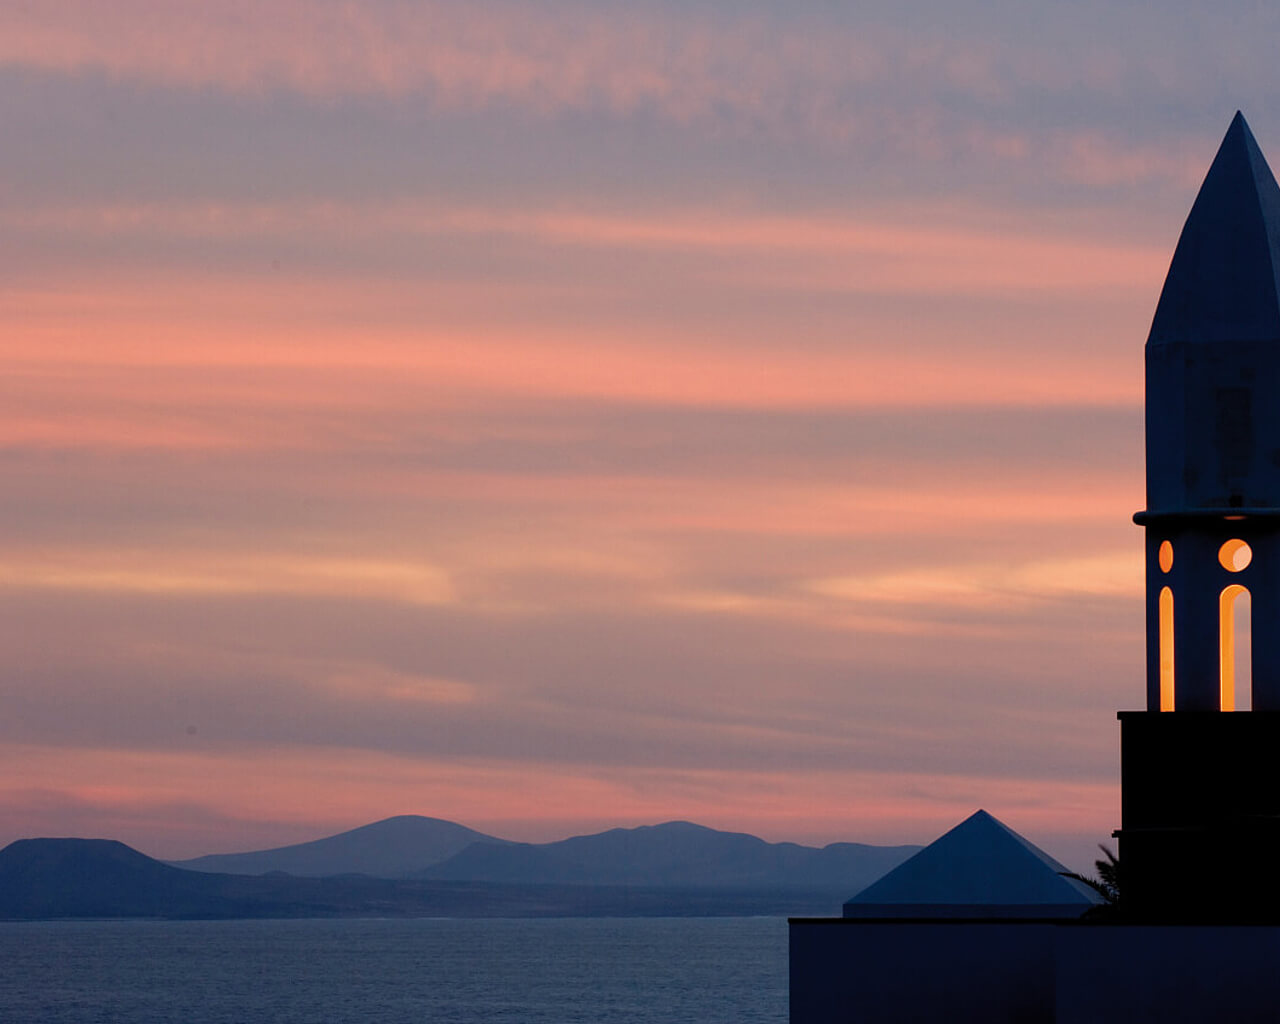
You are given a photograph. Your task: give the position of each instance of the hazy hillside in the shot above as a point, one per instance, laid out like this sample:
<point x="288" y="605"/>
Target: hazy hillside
<point x="393" y="848"/>
<point x="102" y="878"/>
<point x="96" y="878"/>
<point x="674" y="854"/>
<point x="677" y="854"/>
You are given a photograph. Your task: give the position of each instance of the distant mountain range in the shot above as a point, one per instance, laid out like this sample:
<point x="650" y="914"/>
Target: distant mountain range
<point x="412" y="866"/>
<point x="677" y="854"/>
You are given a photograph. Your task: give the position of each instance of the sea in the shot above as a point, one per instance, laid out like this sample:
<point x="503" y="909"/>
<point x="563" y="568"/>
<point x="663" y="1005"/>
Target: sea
<point x="428" y="971"/>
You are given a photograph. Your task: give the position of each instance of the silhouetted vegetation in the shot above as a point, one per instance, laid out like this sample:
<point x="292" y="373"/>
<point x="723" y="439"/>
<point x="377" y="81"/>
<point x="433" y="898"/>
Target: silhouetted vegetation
<point x="1106" y="883"/>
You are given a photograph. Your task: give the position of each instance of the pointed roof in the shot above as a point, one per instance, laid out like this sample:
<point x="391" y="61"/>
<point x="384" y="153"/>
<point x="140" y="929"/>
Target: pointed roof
<point x="981" y="868"/>
<point x="1222" y="283"/>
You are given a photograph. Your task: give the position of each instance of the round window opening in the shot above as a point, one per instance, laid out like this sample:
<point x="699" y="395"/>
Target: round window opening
<point x="1166" y="556"/>
<point x="1235" y="555"/>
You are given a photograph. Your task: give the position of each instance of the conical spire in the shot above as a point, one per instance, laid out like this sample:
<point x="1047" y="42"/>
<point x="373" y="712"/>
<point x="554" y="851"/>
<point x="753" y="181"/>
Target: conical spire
<point x="1222" y="283"/>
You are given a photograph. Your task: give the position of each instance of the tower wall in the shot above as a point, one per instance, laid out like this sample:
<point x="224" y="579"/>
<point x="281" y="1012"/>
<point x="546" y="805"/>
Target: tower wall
<point x="1200" y="822"/>
<point x="1213" y="425"/>
<point x="1201" y="815"/>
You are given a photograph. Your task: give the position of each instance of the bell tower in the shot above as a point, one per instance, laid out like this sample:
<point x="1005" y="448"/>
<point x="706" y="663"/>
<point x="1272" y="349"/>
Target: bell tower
<point x="1200" y="831"/>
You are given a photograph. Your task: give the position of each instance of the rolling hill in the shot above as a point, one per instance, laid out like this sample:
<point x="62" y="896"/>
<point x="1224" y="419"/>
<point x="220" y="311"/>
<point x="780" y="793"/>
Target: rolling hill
<point x="44" y="879"/>
<point x="676" y="854"/>
<point x="392" y="848"/>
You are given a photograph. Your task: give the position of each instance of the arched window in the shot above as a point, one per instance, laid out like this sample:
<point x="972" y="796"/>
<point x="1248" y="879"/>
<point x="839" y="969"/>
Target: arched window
<point x="1234" y="643"/>
<point x="1166" y="649"/>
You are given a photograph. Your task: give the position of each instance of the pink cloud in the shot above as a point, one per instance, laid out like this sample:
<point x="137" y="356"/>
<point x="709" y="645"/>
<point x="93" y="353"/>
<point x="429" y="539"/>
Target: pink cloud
<point x="835" y="250"/>
<point x="184" y="357"/>
<point x="223" y="464"/>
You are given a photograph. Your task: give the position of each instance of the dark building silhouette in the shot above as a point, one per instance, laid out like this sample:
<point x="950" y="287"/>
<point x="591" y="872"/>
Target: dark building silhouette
<point x="981" y="868"/>
<point x="1195" y="935"/>
<point x="1198" y="786"/>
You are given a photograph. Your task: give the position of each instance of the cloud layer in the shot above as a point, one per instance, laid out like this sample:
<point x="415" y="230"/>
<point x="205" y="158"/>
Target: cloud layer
<point x="550" y="416"/>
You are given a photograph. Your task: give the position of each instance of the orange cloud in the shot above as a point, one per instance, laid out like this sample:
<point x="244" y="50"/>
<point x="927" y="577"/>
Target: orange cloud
<point x="243" y="572"/>
<point x="160" y="375"/>
<point x="166" y="356"/>
<point x="969" y="585"/>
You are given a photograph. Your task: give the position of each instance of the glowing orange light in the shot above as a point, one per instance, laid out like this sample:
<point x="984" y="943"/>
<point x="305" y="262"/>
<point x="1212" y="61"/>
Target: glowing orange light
<point x="1235" y="555"/>
<point x="1227" y="642"/>
<point x="1166" y="556"/>
<point x="1166" y="649"/>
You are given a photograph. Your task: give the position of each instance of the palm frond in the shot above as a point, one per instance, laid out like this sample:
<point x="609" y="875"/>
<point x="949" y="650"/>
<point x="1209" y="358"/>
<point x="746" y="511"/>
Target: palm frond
<point x="1107" y="884"/>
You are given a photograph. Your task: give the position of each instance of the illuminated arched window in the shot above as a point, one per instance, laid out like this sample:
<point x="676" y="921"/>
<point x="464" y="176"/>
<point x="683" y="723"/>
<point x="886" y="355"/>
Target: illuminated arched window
<point x="1166" y="649"/>
<point x="1234" y="653"/>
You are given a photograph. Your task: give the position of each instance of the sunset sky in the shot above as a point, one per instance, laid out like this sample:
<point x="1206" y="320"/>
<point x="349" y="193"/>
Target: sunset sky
<point x="551" y="416"/>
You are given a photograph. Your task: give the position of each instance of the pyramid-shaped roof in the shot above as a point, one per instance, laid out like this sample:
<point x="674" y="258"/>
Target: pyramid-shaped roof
<point x="981" y="868"/>
<point x="1223" y="282"/>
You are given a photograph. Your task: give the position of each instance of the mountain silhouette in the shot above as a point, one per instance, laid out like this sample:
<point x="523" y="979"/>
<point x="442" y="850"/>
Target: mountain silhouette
<point x="674" y="854"/>
<point x="392" y="848"/>
<point x="43" y="879"/>
<point x="103" y="878"/>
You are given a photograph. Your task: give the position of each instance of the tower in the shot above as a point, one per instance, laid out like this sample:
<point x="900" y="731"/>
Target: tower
<point x="1200" y="832"/>
<point x="1200" y="776"/>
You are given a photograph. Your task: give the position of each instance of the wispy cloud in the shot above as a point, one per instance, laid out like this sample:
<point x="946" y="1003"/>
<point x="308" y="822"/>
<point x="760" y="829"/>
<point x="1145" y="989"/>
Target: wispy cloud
<point x="834" y="251"/>
<point x="189" y="572"/>
<point x="549" y="414"/>
<point x="1110" y="574"/>
<point x="544" y="56"/>
<point x="934" y="93"/>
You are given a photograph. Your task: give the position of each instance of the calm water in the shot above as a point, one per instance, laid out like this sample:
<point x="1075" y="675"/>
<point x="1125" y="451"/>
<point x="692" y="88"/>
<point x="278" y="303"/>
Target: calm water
<point x="638" y="970"/>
